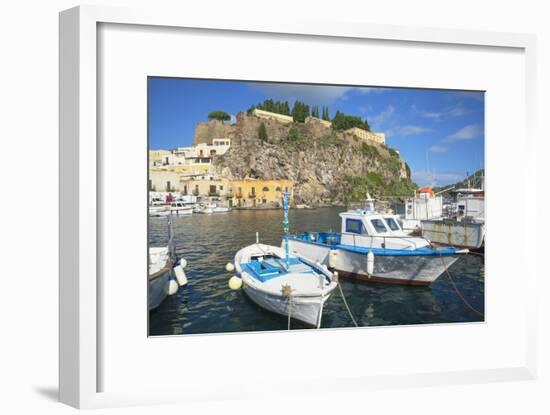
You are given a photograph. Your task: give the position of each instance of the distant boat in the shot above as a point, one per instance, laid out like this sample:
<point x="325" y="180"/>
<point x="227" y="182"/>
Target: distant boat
<point x="179" y="208"/>
<point x="212" y="208"/>
<point x="165" y="271"/>
<point x="372" y="246"/>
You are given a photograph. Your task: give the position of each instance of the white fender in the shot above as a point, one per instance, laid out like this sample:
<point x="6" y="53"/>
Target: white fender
<point x="183" y="262"/>
<point x="235" y="282"/>
<point x="370" y="263"/>
<point x="332" y="255"/>
<point x="171" y="287"/>
<point x="229" y="267"/>
<point x="180" y="275"/>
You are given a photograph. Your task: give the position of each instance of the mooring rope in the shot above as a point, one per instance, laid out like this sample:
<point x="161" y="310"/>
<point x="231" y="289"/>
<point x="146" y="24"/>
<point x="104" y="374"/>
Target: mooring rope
<point x="471" y="307"/>
<point x="346" y="304"/>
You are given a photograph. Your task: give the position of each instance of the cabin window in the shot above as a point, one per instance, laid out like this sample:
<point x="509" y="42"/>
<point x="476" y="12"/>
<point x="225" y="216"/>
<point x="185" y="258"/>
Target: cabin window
<point x="392" y="224"/>
<point x="354" y="226"/>
<point x="378" y="225"/>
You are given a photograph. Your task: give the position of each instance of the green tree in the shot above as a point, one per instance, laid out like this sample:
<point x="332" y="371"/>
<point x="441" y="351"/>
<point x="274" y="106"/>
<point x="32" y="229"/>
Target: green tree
<point x="325" y="115"/>
<point x="315" y="111"/>
<point x="219" y="115"/>
<point x="342" y="121"/>
<point x="300" y="111"/>
<point x="262" y="132"/>
<point x="293" y="134"/>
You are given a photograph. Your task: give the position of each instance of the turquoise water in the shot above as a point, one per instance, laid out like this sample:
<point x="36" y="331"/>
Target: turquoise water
<point x="207" y="305"/>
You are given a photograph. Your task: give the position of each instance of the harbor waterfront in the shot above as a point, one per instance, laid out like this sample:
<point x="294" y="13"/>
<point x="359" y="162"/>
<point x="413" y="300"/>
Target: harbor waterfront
<point x="207" y="305"/>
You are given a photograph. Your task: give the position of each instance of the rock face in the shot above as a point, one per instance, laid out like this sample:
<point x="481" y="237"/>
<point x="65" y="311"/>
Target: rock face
<point x="205" y="132"/>
<point x="317" y="159"/>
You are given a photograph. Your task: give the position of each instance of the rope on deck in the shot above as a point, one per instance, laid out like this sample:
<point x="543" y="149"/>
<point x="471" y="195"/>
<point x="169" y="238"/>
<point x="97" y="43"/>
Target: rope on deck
<point x="346" y="304"/>
<point x="471" y="307"/>
<point x="287" y="292"/>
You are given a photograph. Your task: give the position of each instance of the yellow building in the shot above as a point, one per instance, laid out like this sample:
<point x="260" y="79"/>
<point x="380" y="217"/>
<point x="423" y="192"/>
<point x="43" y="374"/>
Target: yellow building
<point x="379" y="138"/>
<point x="245" y="193"/>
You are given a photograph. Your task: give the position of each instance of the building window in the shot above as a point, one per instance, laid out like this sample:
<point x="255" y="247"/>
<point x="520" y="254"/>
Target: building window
<point x="277" y="189"/>
<point x="168" y="187"/>
<point x="265" y="189"/>
<point x="150" y="185"/>
<point x="221" y="187"/>
<point x="264" y="201"/>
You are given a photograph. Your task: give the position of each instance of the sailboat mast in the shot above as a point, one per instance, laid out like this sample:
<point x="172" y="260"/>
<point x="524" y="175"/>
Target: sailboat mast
<point x="285" y="225"/>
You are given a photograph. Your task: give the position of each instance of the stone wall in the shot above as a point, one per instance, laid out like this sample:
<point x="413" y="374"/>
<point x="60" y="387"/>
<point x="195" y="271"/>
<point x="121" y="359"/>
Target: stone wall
<point x="205" y="132"/>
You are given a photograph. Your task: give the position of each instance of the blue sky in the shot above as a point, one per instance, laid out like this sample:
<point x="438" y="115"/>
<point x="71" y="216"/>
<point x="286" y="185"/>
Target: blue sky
<point x="440" y="133"/>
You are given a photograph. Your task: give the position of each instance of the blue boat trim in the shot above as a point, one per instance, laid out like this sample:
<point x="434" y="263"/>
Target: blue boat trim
<point x="333" y="239"/>
<point x="271" y="268"/>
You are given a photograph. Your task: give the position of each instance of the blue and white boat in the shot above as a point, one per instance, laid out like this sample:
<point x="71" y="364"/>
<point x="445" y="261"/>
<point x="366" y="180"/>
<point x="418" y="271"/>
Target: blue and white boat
<point x="372" y="246"/>
<point x="286" y="284"/>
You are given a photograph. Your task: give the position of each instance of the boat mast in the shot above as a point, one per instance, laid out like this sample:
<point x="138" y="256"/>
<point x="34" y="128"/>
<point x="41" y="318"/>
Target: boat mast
<point x="285" y="225"/>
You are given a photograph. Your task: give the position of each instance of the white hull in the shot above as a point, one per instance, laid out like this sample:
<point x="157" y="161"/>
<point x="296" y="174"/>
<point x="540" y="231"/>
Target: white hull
<point x="464" y="234"/>
<point x="308" y="310"/>
<point x="158" y="290"/>
<point x="182" y="212"/>
<point x="409" y="270"/>
<point x="310" y="290"/>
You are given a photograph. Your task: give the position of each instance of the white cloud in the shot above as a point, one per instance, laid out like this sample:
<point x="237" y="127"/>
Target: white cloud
<point x="468" y="132"/>
<point x="311" y="94"/>
<point x="406" y="130"/>
<point x="456" y="111"/>
<point x="438" y="149"/>
<point x="383" y="116"/>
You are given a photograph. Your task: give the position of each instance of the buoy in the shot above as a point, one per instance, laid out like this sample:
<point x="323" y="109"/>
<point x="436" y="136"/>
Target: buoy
<point x="332" y="258"/>
<point x="370" y="263"/>
<point x="171" y="286"/>
<point x="180" y="275"/>
<point x="235" y="283"/>
<point x="229" y="267"/>
<point x="183" y="262"/>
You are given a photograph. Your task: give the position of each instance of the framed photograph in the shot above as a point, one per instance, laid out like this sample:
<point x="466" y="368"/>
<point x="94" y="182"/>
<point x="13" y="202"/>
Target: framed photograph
<point x="231" y="191"/>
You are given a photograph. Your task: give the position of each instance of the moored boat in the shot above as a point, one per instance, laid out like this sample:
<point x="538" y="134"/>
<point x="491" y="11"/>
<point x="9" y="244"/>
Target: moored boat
<point x="165" y="271"/>
<point x="372" y="246"/>
<point x="296" y="287"/>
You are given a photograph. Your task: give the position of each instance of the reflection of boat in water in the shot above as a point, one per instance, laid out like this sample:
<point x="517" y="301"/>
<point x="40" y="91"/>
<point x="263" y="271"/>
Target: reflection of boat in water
<point x="165" y="271"/>
<point x="294" y="286"/>
<point x="372" y="246"/>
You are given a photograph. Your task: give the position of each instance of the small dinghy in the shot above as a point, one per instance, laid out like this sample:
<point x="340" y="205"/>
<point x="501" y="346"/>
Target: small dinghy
<point x="290" y="285"/>
<point x="166" y="272"/>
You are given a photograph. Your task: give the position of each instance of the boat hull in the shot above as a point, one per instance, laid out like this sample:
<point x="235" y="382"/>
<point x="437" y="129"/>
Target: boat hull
<point x="469" y="235"/>
<point x="158" y="288"/>
<point x="307" y="310"/>
<point x="390" y="269"/>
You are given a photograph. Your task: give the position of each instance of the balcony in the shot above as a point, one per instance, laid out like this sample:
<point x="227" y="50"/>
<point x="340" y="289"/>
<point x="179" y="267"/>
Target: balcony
<point x="195" y="192"/>
<point x="252" y="195"/>
<point x="239" y="195"/>
<point x="214" y="194"/>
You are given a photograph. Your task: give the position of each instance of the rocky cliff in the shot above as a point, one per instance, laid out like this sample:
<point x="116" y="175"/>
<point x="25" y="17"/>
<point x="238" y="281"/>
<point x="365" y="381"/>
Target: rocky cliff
<point x="327" y="167"/>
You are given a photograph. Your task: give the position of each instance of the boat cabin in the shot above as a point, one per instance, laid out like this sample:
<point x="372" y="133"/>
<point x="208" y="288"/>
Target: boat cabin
<point x="367" y="228"/>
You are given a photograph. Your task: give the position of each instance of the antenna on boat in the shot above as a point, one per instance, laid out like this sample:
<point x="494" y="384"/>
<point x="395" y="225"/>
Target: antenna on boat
<point x="285" y="225"/>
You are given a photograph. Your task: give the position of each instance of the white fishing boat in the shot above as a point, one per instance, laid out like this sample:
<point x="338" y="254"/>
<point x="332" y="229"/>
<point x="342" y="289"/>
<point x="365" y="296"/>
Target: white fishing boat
<point x="465" y="225"/>
<point x="166" y="272"/>
<point x="289" y="285"/>
<point x="372" y="246"/>
<point x="159" y="210"/>
<point x="179" y="208"/>
<point x="296" y="287"/>
<point x="212" y="208"/>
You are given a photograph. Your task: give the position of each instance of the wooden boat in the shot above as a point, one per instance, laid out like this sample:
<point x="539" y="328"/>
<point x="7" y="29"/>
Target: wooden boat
<point x="294" y="287"/>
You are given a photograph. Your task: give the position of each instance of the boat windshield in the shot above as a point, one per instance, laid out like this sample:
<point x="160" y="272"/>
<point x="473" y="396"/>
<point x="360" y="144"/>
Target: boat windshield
<point x="392" y="224"/>
<point x="379" y="225"/>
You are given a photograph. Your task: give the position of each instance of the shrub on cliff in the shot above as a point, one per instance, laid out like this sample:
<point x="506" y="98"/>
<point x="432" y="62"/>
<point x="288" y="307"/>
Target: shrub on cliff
<point x="219" y="115"/>
<point x="262" y="132"/>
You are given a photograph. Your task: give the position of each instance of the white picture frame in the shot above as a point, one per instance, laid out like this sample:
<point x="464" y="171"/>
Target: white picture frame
<point x="79" y="313"/>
